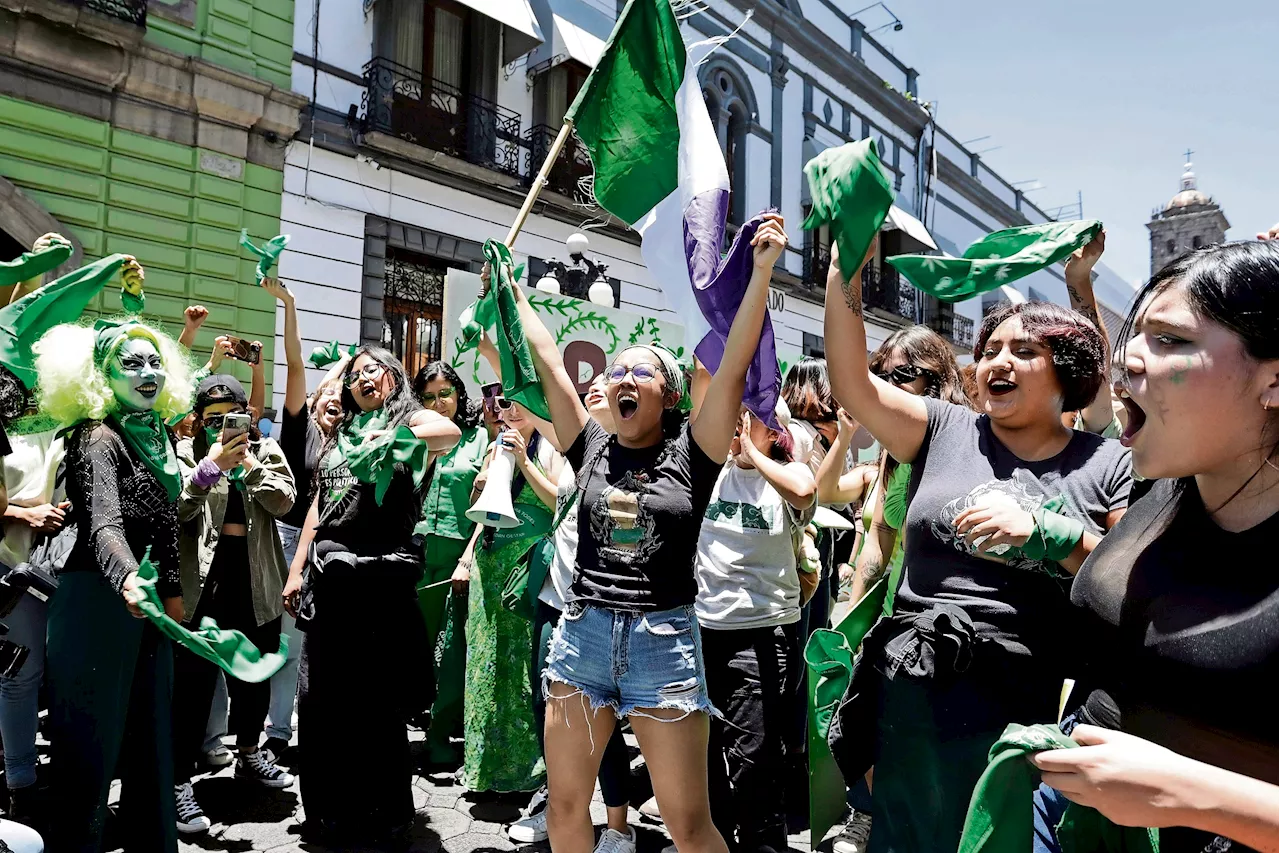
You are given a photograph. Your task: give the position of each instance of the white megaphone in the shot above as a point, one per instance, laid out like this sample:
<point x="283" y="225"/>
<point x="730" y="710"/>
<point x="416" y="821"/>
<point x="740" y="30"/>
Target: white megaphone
<point x="493" y="508"/>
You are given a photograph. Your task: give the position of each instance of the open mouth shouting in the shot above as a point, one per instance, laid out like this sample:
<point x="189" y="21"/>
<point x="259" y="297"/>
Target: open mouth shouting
<point x="628" y="404"/>
<point x="1137" y="418"/>
<point x="1000" y="386"/>
<point x="148" y="389"/>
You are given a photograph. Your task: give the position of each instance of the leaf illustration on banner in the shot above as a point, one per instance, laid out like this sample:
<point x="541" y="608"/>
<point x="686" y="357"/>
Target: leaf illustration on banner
<point x="636" y="333"/>
<point x="589" y="320"/>
<point x="553" y="306"/>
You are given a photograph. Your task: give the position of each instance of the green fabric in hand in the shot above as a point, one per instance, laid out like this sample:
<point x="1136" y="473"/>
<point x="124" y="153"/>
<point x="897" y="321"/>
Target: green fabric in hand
<point x="851" y="193"/>
<point x="329" y="354"/>
<point x="267" y="253"/>
<point x="999" y="258"/>
<point x="29" y="265"/>
<point x="230" y="651"/>
<point x="1001" y="817"/>
<point x="373" y="460"/>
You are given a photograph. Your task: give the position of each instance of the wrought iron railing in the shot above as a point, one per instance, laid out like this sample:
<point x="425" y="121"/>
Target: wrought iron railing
<point x="883" y="289"/>
<point x="402" y="102"/>
<point x="962" y="331"/>
<point x="817" y="260"/>
<point x="941" y="317"/>
<point x="129" y="11"/>
<point x="570" y="167"/>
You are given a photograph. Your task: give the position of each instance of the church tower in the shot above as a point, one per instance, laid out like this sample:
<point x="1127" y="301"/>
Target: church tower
<point x="1190" y="220"/>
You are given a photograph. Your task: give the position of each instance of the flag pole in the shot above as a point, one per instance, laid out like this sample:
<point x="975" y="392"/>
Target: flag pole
<point x="539" y="182"/>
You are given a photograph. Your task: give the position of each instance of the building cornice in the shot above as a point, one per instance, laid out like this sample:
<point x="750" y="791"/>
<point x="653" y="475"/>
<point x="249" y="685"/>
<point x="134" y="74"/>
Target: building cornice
<point x="972" y="190"/>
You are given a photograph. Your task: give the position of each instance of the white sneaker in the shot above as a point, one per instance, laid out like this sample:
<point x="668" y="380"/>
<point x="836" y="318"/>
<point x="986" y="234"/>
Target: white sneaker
<point x="613" y="841"/>
<point x="190" y="818"/>
<point x="531" y="828"/>
<point x="260" y="767"/>
<point x="219" y="756"/>
<point x="650" y="809"/>
<point x="853" y="838"/>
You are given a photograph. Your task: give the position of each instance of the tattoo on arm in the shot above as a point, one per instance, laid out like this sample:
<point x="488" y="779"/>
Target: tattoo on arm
<point x="872" y="570"/>
<point x="853" y="295"/>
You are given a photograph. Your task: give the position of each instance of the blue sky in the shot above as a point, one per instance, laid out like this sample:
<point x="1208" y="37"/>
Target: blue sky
<point x="1104" y="97"/>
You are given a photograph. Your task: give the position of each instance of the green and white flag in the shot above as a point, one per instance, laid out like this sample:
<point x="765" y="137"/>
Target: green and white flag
<point x="996" y="259"/>
<point x="659" y="168"/>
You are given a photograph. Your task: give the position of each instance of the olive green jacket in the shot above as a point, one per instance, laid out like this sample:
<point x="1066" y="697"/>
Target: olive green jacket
<point x="269" y="494"/>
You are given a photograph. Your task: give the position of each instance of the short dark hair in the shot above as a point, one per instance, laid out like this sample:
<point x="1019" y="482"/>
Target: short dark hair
<point x="807" y="391"/>
<point x="1079" y="353"/>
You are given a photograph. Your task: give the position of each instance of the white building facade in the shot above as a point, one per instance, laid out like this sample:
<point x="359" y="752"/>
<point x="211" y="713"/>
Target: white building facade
<point x="432" y="116"/>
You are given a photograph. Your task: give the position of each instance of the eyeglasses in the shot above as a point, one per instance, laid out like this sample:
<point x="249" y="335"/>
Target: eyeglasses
<point x="369" y="371"/>
<point x="429" y="399"/>
<point x="642" y="373"/>
<point x="905" y="374"/>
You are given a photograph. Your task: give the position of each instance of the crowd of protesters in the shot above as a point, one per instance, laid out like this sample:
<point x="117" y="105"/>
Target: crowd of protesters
<point x="1054" y="512"/>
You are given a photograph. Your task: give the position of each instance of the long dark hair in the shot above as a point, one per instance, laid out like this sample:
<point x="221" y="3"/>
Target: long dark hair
<point x="807" y="391"/>
<point x="469" y="412"/>
<point x="922" y="347"/>
<point x="400" y="405"/>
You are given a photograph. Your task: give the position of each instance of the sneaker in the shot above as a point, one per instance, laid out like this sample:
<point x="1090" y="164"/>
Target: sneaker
<point x="650" y="809"/>
<point x="276" y="747"/>
<point x="531" y="828"/>
<point x="613" y="841"/>
<point x="219" y="756"/>
<point x="190" y="818"/>
<point x="259" y="767"/>
<point x="853" y="838"/>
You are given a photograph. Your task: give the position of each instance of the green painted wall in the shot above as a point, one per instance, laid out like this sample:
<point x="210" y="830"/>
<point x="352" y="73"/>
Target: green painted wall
<point x="118" y="191"/>
<point x="252" y="36"/>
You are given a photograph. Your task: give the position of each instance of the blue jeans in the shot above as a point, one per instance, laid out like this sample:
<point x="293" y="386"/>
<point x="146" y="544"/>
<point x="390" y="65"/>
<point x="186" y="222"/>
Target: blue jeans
<point x="630" y="662"/>
<point x="20" y="695"/>
<point x="284" y="684"/>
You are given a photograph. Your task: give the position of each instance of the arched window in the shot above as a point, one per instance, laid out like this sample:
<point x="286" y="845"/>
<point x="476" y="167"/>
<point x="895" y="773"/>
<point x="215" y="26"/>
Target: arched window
<point x="1168" y="246"/>
<point x="1196" y="242"/>
<point x="732" y="107"/>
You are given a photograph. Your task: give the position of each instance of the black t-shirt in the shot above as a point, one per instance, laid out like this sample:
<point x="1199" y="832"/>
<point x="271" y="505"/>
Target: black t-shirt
<point x="351" y="516"/>
<point x="1022" y="604"/>
<point x="301" y="441"/>
<point x="639" y="516"/>
<point x="1184" y="632"/>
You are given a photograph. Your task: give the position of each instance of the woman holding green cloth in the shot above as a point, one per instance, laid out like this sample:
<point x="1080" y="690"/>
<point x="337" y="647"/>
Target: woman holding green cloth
<point x="446" y="531"/>
<point x="365" y="640"/>
<point x="502" y="752"/>
<point x="116" y="383"/>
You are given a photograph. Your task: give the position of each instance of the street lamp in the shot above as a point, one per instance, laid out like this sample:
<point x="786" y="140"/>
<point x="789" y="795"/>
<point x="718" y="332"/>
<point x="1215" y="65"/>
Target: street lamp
<point x="583" y="279"/>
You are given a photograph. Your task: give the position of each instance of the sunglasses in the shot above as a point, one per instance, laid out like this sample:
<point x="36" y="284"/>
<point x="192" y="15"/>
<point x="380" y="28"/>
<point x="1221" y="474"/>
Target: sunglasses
<point x="642" y="373"/>
<point x="369" y="371"/>
<point x="905" y="374"/>
<point x="215" y="422"/>
<point x="429" y="399"/>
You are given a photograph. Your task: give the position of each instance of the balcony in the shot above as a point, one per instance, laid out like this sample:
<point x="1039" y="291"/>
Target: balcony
<point x="570" y="167"/>
<point x="817" y="260"/>
<point x="882" y="289"/>
<point x="129" y="11"/>
<point x="402" y="102"/>
<point x="941" y="317"/>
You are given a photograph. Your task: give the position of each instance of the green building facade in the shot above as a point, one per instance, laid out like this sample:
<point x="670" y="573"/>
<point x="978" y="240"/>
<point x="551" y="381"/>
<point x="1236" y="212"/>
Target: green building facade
<point x="182" y="150"/>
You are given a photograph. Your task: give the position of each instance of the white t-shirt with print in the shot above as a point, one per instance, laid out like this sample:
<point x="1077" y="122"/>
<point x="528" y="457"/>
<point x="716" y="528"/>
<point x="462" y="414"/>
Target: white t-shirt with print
<point x="746" y="564"/>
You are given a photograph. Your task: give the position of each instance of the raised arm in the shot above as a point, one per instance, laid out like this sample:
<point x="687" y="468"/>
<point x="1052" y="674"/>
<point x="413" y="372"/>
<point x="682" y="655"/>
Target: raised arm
<point x="258" y="385"/>
<point x="792" y="480"/>
<point x="568" y="415"/>
<point x="1096" y="416"/>
<point x="192" y="319"/>
<point x="717" y="417"/>
<point x="435" y="429"/>
<point x="295" y="388"/>
<point x="896" y="418"/>
<point x="830" y="476"/>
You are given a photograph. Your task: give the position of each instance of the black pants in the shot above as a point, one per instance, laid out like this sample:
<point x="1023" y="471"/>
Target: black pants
<point x="751" y="678"/>
<point x="228" y="600"/>
<point x="615" y="767"/>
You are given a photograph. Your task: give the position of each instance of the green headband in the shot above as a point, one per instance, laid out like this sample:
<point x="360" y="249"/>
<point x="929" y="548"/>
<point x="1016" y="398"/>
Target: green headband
<point x="110" y="334"/>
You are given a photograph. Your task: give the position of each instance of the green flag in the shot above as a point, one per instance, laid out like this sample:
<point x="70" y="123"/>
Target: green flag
<point x="329" y="354"/>
<point x="28" y="265"/>
<point x="62" y="300"/>
<point x="373" y="460"/>
<point x="996" y="259"/>
<point x="267" y="252"/>
<point x="828" y="658"/>
<point x="496" y="311"/>
<point x="850" y="190"/>
<point x="230" y="651"/>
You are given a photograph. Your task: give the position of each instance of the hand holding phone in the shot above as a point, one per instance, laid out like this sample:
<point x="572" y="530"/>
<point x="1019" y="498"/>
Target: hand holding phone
<point x="242" y="350"/>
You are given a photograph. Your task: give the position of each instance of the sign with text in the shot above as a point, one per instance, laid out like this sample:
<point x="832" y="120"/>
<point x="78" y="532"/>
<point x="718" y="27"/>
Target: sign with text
<point x="589" y="335"/>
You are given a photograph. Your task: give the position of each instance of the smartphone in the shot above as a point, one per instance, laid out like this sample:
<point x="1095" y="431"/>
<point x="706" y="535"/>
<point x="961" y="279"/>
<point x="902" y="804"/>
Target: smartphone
<point x="492" y="396"/>
<point x="234" y="425"/>
<point x="242" y="350"/>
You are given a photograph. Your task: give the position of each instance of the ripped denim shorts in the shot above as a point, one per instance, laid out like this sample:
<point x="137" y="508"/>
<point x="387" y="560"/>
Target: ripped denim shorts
<point x="629" y="661"/>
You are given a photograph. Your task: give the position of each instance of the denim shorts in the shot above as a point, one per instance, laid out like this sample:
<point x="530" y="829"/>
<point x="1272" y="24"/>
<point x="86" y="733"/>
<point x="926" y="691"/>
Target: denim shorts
<point x="629" y="661"/>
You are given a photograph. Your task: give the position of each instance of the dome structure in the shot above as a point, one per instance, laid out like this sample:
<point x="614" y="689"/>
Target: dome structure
<point x="1188" y="195"/>
<point x="1190" y="220"/>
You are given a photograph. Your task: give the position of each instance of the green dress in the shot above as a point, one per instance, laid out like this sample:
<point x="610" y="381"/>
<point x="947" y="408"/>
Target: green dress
<point x="501" y="752"/>
<point x="445" y="529"/>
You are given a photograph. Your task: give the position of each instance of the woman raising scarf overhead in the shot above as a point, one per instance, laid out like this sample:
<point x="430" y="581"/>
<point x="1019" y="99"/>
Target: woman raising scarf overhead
<point x="366" y="644"/>
<point x="116" y="383"/>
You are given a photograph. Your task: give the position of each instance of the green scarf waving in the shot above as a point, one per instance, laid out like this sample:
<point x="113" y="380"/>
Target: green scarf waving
<point x="373" y="459"/>
<point x="33" y="264"/>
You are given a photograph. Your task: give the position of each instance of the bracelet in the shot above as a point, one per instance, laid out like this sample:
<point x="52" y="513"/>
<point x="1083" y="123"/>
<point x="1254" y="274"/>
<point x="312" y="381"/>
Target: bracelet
<point x="206" y="474"/>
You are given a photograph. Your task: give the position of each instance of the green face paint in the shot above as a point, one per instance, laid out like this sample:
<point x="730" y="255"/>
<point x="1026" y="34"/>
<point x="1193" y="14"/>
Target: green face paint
<point x="137" y="375"/>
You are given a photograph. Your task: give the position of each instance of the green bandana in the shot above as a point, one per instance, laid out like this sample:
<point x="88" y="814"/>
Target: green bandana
<point x="31" y="264"/>
<point x="481" y="316"/>
<point x="850" y="190"/>
<point x="147" y="437"/>
<point x="374" y="460"/>
<point x="329" y="355"/>
<point x="60" y="301"/>
<point x="996" y="259"/>
<point x="231" y="651"/>
<point x="267" y="253"/>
